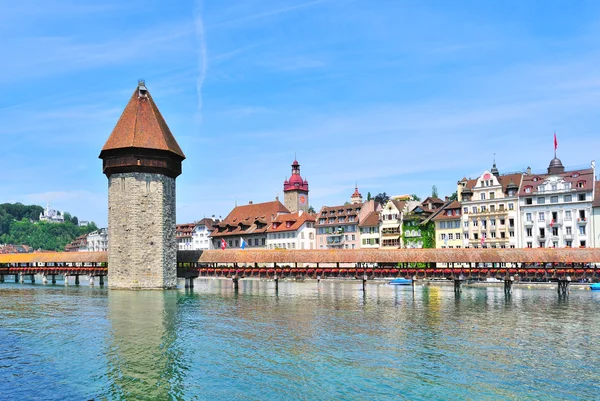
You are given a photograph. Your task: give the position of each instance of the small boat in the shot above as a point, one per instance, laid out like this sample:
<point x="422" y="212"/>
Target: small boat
<point x="400" y="281"/>
<point x="595" y="287"/>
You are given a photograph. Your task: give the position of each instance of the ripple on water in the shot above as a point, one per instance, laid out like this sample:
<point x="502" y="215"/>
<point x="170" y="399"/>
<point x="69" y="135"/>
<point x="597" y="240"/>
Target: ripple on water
<point x="310" y="342"/>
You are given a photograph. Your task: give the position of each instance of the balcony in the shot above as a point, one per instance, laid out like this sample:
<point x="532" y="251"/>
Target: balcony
<point x="390" y="232"/>
<point x="568" y="236"/>
<point x="335" y="240"/>
<point x="528" y="223"/>
<point x="582" y="221"/>
<point x="555" y="223"/>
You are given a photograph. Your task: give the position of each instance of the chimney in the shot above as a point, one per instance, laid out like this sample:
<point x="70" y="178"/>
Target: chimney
<point x="250" y="202"/>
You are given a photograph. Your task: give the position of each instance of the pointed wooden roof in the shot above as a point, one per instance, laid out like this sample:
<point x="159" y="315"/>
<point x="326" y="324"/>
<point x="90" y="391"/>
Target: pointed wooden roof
<point x="142" y="126"/>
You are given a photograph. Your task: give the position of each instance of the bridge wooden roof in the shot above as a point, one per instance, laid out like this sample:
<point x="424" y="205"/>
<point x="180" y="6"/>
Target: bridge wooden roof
<point x="55" y="257"/>
<point x="536" y="255"/>
<point x="489" y="255"/>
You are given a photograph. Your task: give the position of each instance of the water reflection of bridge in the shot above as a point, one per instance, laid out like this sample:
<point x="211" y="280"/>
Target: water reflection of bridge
<point x="540" y="263"/>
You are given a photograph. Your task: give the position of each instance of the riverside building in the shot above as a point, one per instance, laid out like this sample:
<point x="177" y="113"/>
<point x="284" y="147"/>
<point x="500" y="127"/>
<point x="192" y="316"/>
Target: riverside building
<point x="490" y="209"/>
<point x="556" y="207"/>
<point x="337" y="226"/>
<point x="292" y="231"/>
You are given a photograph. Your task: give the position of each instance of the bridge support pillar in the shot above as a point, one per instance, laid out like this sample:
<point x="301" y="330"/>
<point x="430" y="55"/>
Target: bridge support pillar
<point x="457" y="285"/>
<point x="1" y="278"/>
<point x="276" y="279"/>
<point x="53" y="278"/>
<point x="32" y="278"/>
<point x="563" y="286"/>
<point x="236" y="284"/>
<point x="508" y="282"/>
<point x="44" y="279"/>
<point x="101" y="281"/>
<point x="77" y="279"/>
<point x="364" y="283"/>
<point x="16" y="278"/>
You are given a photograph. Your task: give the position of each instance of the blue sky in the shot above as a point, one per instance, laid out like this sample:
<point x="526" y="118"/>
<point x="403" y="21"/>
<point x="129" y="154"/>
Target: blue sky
<point x="395" y="95"/>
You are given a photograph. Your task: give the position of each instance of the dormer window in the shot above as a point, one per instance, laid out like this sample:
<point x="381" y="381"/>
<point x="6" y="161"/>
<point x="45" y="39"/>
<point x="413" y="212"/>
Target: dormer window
<point x="535" y="179"/>
<point x="575" y="175"/>
<point x="580" y="184"/>
<point x="528" y="189"/>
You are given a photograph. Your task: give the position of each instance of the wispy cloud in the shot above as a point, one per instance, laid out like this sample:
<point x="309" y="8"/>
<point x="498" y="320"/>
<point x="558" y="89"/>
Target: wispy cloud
<point x="202" y="54"/>
<point x="266" y="14"/>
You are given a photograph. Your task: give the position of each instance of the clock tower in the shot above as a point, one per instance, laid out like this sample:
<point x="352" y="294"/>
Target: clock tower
<point x="295" y="191"/>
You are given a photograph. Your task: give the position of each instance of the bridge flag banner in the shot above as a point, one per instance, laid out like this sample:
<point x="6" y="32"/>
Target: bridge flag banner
<point x="223" y="244"/>
<point x="242" y="243"/>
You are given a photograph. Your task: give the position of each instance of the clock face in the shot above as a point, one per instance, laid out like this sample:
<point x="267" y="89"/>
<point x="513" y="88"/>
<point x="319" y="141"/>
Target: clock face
<point x="302" y="199"/>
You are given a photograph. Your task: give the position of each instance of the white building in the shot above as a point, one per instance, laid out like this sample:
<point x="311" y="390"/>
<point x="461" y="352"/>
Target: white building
<point x="292" y="231"/>
<point x="183" y="234"/>
<point x="97" y="241"/>
<point x="490" y="209"/>
<point x="201" y="234"/>
<point x="51" y="215"/>
<point x="556" y="208"/>
<point x="369" y="231"/>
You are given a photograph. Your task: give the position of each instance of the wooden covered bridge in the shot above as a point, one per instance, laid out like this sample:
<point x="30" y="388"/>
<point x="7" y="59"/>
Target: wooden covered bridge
<point x="538" y="263"/>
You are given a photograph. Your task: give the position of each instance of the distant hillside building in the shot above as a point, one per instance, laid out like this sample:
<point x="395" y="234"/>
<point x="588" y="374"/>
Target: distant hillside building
<point x="79" y="244"/>
<point x="51" y="215"/>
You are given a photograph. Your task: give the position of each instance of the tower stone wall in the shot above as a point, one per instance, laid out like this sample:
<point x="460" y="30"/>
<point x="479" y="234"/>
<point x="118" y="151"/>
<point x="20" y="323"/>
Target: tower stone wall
<point x="142" y="251"/>
<point x="292" y="201"/>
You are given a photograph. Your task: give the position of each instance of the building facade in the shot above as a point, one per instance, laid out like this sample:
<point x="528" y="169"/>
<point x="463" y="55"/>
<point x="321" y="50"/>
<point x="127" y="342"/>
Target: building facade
<point x="490" y="209"/>
<point x="248" y="223"/>
<point x="337" y="226"/>
<point x="292" y="231"/>
<point x="183" y="234"/>
<point x="556" y="208"/>
<point x="418" y="231"/>
<point x="97" y="241"/>
<point x="369" y="231"/>
<point x="390" y="229"/>
<point x="449" y="226"/>
<point x="201" y="234"/>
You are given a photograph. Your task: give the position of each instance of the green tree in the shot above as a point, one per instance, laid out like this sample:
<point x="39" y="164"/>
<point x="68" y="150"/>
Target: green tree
<point x="369" y="196"/>
<point x="434" y="192"/>
<point x="67" y="216"/>
<point x="75" y="220"/>
<point x="382" y="198"/>
<point x="311" y="210"/>
<point x="415" y="197"/>
<point x="454" y="196"/>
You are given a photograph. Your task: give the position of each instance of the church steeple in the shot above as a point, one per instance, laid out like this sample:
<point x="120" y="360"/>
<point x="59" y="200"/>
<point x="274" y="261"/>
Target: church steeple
<point x="494" y="170"/>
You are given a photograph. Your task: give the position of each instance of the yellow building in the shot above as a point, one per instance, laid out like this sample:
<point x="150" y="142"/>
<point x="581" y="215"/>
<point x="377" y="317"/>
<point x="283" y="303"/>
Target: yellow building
<point x="448" y="226"/>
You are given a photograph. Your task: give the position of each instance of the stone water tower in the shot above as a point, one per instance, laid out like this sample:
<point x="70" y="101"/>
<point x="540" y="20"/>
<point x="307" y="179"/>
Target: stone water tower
<point x="141" y="160"/>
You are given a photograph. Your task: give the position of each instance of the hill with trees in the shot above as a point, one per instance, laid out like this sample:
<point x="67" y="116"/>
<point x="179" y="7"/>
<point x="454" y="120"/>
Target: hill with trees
<point x="19" y="224"/>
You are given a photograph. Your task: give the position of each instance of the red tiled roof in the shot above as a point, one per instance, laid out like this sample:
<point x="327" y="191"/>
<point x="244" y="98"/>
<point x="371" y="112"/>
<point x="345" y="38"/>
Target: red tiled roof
<point x="371" y="220"/>
<point x="585" y="175"/>
<point x="243" y="219"/>
<point x="454" y="205"/>
<point x="208" y="222"/>
<point x="339" y="211"/>
<point x="295" y="219"/>
<point x="184" y="230"/>
<point x="142" y="126"/>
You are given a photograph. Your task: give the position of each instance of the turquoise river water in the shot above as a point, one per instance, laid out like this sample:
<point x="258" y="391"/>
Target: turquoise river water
<point x="310" y="341"/>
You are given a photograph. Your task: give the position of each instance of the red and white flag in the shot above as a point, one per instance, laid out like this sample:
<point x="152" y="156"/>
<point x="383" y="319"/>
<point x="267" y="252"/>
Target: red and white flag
<point x="223" y="244"/>
<point x="551" y="223"/>
<point x="482" y="238"/>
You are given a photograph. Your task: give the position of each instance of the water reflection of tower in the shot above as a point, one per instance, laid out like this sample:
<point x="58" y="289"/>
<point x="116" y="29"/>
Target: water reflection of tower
<point x="144" y="361"/>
